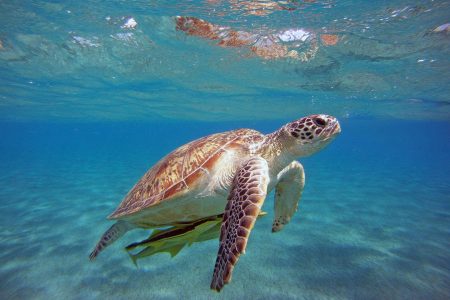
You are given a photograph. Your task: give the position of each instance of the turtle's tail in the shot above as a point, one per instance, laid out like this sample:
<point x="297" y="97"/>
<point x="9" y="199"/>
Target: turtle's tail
<point x="110" y="236"/>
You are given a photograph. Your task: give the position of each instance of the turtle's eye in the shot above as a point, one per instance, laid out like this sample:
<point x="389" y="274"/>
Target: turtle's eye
<point x="320" y="122"/>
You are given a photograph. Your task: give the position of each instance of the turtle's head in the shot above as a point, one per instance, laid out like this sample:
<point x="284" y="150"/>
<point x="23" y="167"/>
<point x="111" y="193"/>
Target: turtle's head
<point x="310" y="134"/>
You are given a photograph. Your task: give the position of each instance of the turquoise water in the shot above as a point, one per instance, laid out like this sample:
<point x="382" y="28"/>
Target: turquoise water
<point x="84" y="112"/>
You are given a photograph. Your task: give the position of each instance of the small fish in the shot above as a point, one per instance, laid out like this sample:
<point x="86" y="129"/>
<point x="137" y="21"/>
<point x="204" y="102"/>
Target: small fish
<point x="172" y="240"/>
<point x="442" y="28"/>
<point x="84" y="42"/>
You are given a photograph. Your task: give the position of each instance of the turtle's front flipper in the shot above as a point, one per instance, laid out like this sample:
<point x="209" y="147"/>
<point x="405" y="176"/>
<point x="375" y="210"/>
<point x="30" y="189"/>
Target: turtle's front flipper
<point x="247" y="195"/>
<point x="288" y="191"/>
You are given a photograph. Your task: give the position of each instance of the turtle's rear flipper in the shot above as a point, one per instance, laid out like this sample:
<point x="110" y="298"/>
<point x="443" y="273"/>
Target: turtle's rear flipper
<point x="173" y="239"/>
<point x="110" y="236"/>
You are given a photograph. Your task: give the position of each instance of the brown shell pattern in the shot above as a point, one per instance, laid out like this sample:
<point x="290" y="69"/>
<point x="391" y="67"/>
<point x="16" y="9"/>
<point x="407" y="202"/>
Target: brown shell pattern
<point x="182" y="168"/>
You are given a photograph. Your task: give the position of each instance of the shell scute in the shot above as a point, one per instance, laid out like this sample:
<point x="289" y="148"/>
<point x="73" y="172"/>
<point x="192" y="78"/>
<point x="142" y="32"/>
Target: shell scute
<point x="181" y="169"/>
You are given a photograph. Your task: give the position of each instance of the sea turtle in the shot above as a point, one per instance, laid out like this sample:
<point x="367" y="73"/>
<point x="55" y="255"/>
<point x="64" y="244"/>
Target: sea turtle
<point x="227" y="173"/>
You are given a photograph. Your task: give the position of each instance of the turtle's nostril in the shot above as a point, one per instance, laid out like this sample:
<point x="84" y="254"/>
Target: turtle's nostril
<point x="320" y="122"/>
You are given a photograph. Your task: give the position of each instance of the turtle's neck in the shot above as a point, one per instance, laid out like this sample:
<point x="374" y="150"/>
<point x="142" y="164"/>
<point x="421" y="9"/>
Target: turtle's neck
<point x="274" y="151"/>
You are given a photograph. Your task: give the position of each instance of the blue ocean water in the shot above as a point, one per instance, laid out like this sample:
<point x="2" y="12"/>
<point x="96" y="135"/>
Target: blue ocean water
<point x="87" y="105"/>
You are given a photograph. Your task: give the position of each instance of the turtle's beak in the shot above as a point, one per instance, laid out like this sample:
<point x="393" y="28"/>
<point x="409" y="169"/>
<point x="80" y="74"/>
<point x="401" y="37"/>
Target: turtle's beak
<point x="336" y="128"/>
<point x="333" y="127"/>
